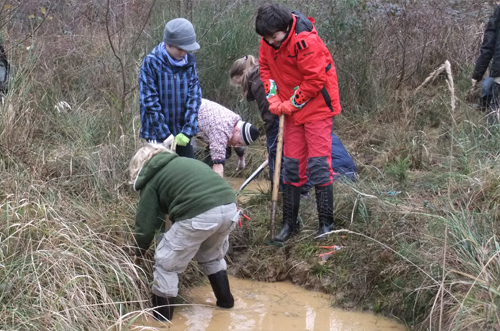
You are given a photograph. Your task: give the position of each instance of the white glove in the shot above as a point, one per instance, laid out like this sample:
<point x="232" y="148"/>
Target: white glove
<point x="168" y="142"/>
<point x="241" y="163"/>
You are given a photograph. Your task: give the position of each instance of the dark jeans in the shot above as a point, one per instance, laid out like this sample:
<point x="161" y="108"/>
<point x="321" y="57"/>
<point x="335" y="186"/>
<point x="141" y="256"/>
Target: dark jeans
<point x="342" y="162"/>
<point x="186" y="151"/>
<point x="494" y="104"/>
<point x="486" y="93"/>
<point x="240" y="151"/>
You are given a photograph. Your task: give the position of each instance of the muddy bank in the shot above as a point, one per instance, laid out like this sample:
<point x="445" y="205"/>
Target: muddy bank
<point x="361" y="276"/>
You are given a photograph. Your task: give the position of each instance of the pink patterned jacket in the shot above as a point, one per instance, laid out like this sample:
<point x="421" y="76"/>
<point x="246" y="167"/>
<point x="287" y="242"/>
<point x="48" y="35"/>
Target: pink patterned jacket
<point x="216" y="124"/>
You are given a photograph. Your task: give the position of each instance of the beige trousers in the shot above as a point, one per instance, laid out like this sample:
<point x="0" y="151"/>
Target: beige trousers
<point x="204" y="238"/>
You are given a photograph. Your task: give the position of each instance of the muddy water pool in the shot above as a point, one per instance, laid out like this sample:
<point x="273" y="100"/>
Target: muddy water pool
<point x="266" y="306"/>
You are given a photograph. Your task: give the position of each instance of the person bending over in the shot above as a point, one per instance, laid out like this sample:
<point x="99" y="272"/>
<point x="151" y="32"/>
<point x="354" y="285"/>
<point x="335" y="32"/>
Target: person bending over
<point x="220" y="128"/>
<point x="202" y="208"/>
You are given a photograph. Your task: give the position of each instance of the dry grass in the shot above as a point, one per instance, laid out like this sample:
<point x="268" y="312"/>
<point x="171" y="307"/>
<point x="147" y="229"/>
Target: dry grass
<point x="64" y="270"/>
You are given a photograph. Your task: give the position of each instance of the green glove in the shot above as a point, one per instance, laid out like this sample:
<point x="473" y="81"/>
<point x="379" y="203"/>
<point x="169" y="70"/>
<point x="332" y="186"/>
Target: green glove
<point x="181" y="139"/>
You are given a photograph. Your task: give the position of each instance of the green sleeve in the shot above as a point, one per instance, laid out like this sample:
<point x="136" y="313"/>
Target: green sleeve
<point x="148" y="218"/>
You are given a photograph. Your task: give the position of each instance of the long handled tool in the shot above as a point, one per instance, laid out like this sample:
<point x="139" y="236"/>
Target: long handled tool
<point x="252" y="176"/>
<point x="277" y="171"/>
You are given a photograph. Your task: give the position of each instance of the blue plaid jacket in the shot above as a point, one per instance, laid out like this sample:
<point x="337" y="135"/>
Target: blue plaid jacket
<point x="170" y="97"/>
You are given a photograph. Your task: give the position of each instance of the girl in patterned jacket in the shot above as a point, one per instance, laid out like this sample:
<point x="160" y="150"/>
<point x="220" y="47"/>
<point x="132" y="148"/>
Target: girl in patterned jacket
<point x="220" y="128"/>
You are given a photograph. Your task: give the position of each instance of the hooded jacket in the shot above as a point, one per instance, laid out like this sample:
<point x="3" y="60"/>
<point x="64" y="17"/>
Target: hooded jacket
<point x="490" y="49"/>
<point x="178" y="186"/>
<point x="302" y="61"/>
<point x="170" y="96"/>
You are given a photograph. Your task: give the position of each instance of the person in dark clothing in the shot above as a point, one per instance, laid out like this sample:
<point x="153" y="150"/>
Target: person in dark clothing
<point x="245" y="74"/>
<point x="4" y="72"/>
<point x="490" y="57"/>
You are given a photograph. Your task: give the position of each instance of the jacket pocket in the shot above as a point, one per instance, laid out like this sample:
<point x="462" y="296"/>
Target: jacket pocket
<point x="327" y="98"/>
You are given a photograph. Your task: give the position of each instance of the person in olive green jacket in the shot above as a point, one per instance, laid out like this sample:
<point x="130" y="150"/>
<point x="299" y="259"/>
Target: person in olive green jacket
<point x="202" y="208"/>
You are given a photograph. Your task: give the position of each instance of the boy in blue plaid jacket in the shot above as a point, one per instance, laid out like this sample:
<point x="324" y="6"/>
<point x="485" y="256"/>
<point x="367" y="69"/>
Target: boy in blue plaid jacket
<point x="170" y="93"/>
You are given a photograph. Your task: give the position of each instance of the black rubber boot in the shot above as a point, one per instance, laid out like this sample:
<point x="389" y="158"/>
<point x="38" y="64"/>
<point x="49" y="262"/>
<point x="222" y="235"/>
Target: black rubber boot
<point x="324" y="203"/>
<point x="291" y="202"/>
<point x="164" y="309"/>
<point x="220" y="286"/>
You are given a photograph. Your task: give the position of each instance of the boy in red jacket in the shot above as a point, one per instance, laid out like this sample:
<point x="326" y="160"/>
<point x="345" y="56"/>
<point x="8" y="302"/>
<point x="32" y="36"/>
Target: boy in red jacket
<point x="301" y="82"/>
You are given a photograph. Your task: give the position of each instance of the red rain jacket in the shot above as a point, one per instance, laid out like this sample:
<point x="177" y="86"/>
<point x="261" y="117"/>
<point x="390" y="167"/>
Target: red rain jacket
<point x="302" y="60"/>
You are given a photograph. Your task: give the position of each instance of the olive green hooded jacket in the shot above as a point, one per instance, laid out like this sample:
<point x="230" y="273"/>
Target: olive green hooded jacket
<point x="178" y="186"/>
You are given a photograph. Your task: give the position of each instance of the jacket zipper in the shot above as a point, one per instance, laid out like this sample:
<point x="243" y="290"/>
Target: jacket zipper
<point x="175" y="102"/>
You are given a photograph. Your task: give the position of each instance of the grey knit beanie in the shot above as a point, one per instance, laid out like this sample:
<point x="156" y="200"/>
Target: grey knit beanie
<point x="180" y="32"/>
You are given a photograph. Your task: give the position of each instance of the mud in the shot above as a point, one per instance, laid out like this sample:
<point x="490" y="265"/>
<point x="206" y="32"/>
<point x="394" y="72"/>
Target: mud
<point x="267" y="306"/>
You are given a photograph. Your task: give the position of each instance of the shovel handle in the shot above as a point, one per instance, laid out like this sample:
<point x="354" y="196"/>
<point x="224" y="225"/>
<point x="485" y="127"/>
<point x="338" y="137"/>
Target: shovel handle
<point x="277" y="171"/>
<point x="277" y="164"/>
